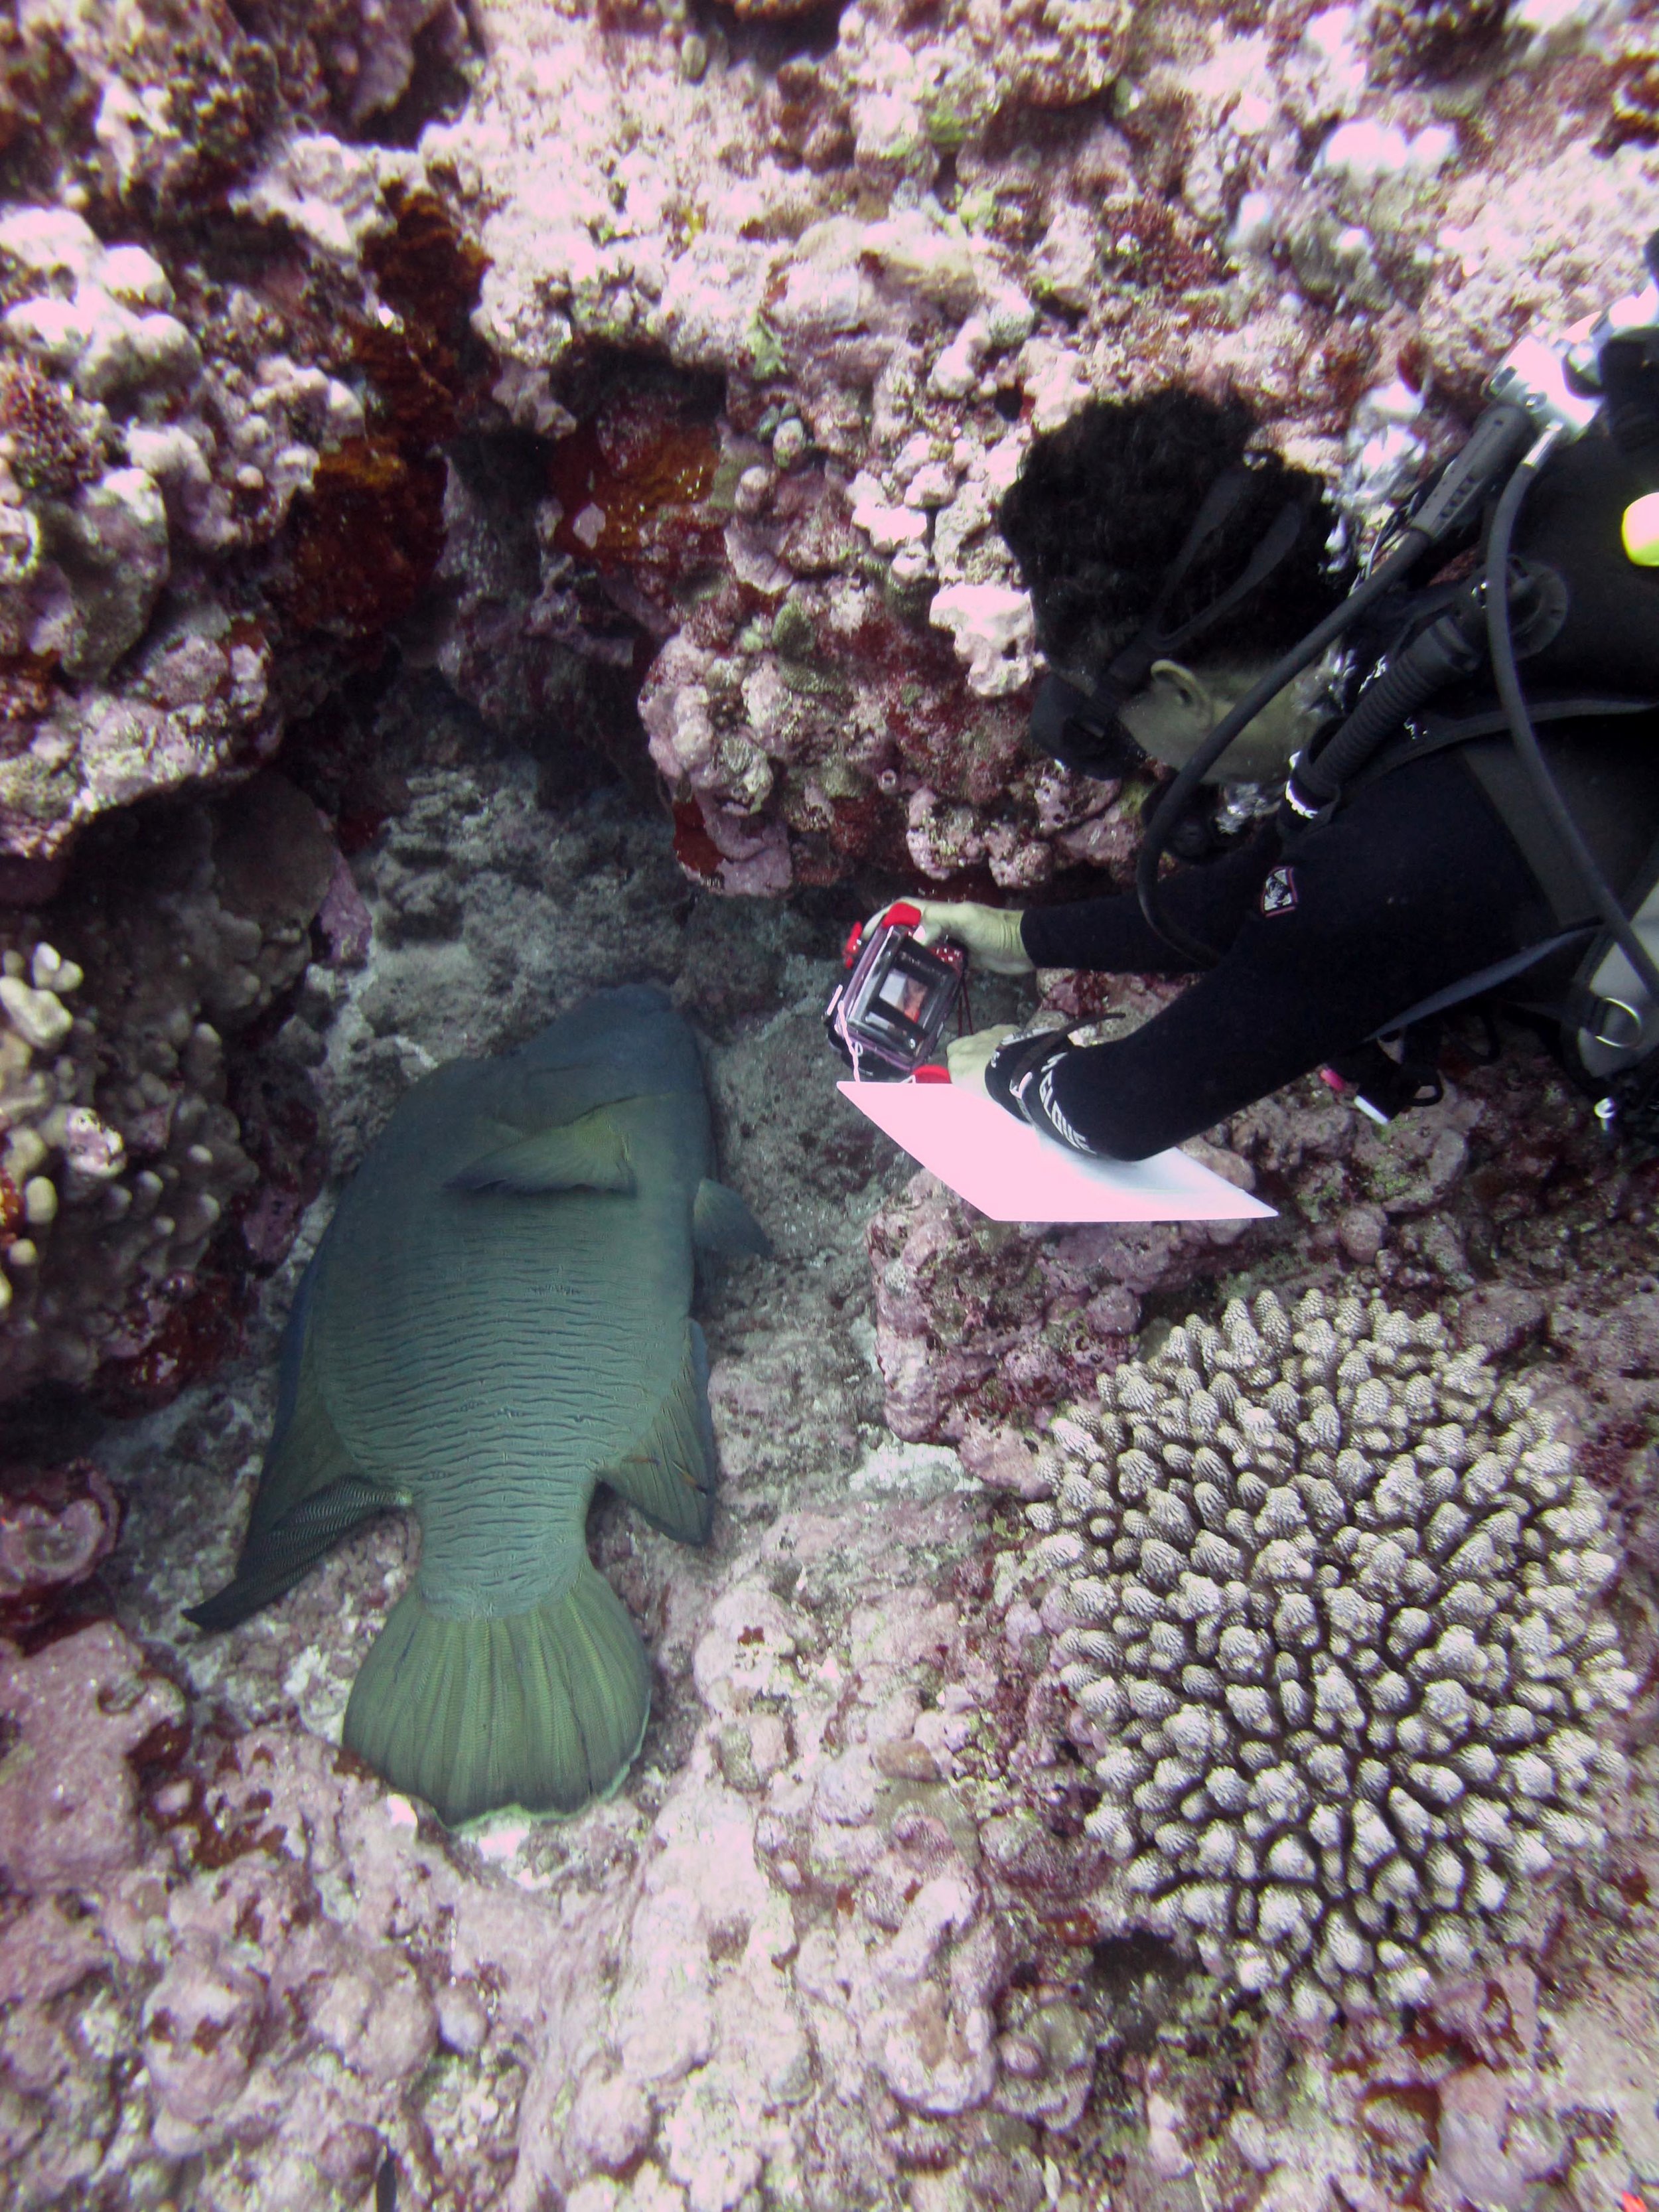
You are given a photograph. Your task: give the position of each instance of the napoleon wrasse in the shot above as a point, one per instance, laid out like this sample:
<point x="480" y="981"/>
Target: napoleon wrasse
<point x="498" y="1318"/>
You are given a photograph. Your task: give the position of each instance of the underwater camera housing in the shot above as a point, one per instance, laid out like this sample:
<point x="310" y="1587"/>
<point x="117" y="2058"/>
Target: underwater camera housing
<point x="886" y="1016"/>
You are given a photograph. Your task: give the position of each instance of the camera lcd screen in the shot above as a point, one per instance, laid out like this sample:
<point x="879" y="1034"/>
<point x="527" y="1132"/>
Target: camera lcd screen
<point x="903" y="993"/>
<point x="895" y="1004"/>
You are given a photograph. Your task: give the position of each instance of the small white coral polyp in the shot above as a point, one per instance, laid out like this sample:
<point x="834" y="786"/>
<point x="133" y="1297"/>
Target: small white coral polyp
<point x="1333" y="1589"/>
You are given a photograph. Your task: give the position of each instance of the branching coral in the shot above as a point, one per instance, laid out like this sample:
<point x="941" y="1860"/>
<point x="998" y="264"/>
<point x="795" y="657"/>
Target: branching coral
<point x="119" y="1153"/>
<point x="1331" y="1591"/>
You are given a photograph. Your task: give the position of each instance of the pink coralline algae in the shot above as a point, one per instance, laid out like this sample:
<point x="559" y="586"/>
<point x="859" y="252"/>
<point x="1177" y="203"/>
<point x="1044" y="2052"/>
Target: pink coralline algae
<point x="173" y="1913"/>
<point x="72" y="1815"/>
<point x="57" y="1525"/>
<point x="793" y="1973"/>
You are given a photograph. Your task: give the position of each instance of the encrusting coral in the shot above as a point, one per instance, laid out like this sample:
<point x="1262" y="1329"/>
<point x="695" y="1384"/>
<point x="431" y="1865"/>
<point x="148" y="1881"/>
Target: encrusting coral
<point x="1325" y="1591"/>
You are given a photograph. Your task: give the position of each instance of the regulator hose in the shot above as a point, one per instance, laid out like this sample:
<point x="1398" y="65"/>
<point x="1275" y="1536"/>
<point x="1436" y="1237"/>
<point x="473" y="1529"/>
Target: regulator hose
<point x="1453" y="646"/>
<point x="1447" y="514"/>
<point x="1173" y="804"/>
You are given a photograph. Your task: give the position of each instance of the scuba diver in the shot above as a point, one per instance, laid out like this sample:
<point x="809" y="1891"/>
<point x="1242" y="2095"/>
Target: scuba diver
<point x="1443" y="834"/>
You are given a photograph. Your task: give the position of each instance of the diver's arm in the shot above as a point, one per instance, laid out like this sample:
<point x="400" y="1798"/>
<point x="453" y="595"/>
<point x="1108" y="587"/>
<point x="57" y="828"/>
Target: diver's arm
<point x="1414" y="885"/>
<point x="1211" y="901"/>
<point x="989" y="934"/>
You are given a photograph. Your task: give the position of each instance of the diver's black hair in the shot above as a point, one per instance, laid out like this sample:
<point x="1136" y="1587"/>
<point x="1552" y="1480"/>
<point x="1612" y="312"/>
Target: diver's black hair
<point x="1100" y="507"/>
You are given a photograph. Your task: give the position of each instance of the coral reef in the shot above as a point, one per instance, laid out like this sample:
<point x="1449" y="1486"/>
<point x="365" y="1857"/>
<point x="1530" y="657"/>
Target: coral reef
<point x="906" y="251"/>
<point x="844" y="1937"/>
<point x="121" y="1156"/>
<point x="1332" y="1598"/>
<point x="229" y="341"/>
<point x="738" y="1971"/>
<point x="682" y="366"/>
<point x="185" y="1880"/>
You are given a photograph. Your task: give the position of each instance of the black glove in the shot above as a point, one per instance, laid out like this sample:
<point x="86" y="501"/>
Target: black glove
<point x="1014" y="1069"/>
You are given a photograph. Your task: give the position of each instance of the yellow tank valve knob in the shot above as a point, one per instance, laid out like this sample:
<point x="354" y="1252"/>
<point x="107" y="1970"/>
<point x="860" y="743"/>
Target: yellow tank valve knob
<point x="1641" y="531"/>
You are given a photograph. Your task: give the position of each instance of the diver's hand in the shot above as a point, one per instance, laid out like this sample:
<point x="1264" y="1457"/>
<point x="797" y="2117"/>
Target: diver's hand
<point x="968" y="1056"/>
<point x="989" y="934"/>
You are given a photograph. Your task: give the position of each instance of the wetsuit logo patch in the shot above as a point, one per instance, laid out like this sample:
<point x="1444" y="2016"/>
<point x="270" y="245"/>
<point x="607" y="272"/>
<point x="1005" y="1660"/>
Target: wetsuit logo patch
<point x="1056" y="1119"/>
<point x="1279" y="892"/>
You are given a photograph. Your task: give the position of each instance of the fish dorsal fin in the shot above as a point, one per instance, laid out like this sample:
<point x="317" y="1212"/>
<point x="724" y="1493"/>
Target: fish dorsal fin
<point x="588" y="1154"/>
<point x="721" y="1223"/>
<point x="670" y="1475"/>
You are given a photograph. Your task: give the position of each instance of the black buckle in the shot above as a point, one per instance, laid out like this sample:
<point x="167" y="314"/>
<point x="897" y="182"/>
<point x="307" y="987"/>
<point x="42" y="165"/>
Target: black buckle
<point x="1384" y="1087"/>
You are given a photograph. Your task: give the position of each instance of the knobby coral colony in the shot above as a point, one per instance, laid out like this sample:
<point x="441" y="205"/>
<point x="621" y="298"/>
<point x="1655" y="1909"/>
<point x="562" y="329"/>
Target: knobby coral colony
<point x="1332" y="1591"/>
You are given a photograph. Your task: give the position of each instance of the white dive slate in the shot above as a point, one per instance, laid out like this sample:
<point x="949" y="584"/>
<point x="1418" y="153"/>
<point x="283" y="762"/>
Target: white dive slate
<point x="1012" y="1173"/>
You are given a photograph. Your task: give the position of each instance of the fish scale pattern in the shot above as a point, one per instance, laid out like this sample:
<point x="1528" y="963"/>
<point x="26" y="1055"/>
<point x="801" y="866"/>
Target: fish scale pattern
<point x="1331" y="1587"/>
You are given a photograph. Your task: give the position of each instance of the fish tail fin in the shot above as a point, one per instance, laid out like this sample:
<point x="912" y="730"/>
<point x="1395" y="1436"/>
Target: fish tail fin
<point x="543" y="1710"/>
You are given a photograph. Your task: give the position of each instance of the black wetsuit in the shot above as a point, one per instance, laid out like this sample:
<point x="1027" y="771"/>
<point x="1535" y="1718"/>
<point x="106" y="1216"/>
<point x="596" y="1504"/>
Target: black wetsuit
<point x="1414" y="885"/>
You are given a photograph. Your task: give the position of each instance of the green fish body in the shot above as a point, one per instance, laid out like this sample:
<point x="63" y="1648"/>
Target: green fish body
<point x="497" y="1318"/>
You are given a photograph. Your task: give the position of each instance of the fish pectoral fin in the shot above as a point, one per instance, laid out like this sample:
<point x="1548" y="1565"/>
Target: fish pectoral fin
<point x="670" y="1477"/>
<point x="275" y="1558"/>
<point x="294" y="1368"/>
<point x="588" y="1154"/>
<point x="305" y="1455"/>
<point x="721" y="1223"/>
<point x="312" y="1491"/>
